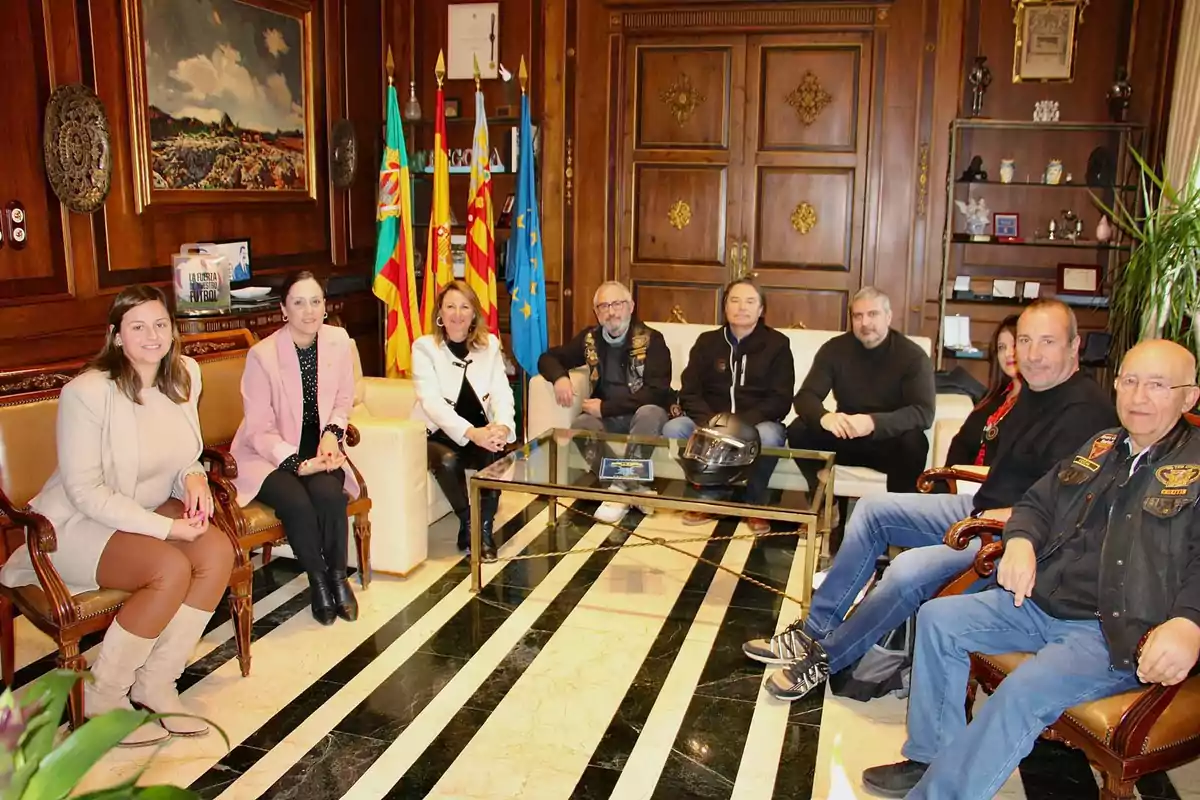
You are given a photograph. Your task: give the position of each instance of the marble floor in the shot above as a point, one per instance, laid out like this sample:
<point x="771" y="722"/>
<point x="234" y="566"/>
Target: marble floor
<point x="608" y="674"/>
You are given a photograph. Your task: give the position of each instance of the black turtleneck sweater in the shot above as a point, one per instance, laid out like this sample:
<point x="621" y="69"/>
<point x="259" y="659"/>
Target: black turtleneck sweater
<point x="893" y="382"/>
<point x="1042" y="429"/>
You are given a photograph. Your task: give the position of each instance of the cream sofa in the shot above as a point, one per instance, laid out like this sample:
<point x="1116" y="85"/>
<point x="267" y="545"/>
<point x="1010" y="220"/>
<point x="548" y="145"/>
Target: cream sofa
<point x="951" y="409"/>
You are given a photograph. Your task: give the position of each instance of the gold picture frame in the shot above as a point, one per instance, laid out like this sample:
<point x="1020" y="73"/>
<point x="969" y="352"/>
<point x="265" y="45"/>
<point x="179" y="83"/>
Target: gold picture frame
<point x="214" y="113"/>
<point x="1046" y="39"/>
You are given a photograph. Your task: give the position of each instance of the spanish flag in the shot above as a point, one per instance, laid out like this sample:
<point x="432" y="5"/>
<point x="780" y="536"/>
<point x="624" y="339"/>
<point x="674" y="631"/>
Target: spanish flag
<point x="439" y="270"/>
<point x="395" y="282"/>
<point x="481" y="238"/>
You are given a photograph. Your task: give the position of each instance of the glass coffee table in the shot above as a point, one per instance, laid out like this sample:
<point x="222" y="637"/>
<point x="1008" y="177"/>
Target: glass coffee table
<point x="565" y="464"/>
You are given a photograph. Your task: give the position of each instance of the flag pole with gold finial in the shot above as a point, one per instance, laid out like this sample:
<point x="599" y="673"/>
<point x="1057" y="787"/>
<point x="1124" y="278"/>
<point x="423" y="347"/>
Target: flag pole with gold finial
<point x="524" y="75"/>
<point x="439" y="269"/>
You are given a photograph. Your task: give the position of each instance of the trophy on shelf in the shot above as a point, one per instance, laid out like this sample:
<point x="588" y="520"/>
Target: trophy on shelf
<point x="1119" y="96"/>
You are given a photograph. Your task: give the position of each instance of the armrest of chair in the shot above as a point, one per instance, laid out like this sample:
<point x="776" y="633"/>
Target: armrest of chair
<point x="962" y="532"/>
<point x="950" y="476"/>
<point x="545" y="412"/>
<point x="41" y="540"/>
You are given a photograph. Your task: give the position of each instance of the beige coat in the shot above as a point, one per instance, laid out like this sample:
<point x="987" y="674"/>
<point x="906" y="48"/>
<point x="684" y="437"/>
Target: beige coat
<point x="90" y="495"/>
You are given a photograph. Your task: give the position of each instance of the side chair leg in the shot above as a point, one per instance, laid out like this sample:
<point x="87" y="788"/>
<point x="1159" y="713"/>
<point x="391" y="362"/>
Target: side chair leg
<point x="362" y="542"/>
<point x="241" y="609"/>
<point x="69" y="657"/>
<point x="1116" y="789"/>
<point x="8" y="642"/>
<point x="266" y="553"/>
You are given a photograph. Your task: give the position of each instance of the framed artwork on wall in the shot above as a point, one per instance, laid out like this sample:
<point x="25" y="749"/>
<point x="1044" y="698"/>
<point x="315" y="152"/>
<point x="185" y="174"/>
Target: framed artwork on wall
<point x="221" y="98"/>
<point x="1044" y="48"/>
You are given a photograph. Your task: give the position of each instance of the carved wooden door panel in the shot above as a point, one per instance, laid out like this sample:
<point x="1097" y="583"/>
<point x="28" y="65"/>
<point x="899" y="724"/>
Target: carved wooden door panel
<point x="680" y="187"/>
<point x="804" y="180"/>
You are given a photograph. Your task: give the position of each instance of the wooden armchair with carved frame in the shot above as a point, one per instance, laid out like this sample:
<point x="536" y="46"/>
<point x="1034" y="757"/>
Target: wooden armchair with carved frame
<point x="1126" y="736"/>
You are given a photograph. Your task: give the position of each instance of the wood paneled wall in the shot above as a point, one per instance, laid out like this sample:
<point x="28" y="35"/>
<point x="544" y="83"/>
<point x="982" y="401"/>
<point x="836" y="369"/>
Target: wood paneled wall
<point x="928" y="42"/>
<point x="54" y="293"/>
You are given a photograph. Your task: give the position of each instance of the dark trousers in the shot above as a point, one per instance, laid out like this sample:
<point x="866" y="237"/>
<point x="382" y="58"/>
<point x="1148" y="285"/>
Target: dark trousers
<point x="901" y="458"/>
<point x="449" y="462"/>
<point x="312" y="509"/>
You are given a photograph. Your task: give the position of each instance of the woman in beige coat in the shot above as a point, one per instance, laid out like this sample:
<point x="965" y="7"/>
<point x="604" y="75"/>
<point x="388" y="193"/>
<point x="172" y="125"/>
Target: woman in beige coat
<point x="131" y="507"/>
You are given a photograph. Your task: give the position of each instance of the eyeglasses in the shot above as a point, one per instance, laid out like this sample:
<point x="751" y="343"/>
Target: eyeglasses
<point x="1153" y="386"/>
<point x="615" y="305"/>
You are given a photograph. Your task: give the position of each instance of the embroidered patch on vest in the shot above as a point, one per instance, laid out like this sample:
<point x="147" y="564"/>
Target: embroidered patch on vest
<point x="1102" y="445"/>
<point x="1086" y="463"/>
<point x="1175" y="478"/>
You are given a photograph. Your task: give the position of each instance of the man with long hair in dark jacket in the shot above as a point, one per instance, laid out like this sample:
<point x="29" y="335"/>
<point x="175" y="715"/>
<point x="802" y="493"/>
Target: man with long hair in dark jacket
<point x="745" y="368"/>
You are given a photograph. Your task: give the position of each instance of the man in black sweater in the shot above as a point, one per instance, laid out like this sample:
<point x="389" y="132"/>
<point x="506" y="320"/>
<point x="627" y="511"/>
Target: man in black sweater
<point x="1056" y="412"/>
<point x="629" y="367"/>
<point x="883" y="384"/>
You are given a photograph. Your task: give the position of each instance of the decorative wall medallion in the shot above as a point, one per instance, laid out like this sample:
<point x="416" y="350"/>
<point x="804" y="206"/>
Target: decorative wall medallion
<point x="682" y="98"/>
<point x="809" y="99"/>
<point x="680" y="215"/>
<point x="804" y="218"/>
<point x="343" y="154"/>
<point x="677" y="315"/>
<point x="76" y="148"/>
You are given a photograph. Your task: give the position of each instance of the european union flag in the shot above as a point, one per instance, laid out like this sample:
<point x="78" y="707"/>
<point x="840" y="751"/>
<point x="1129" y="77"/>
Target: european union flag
<point x="525" y="274"/>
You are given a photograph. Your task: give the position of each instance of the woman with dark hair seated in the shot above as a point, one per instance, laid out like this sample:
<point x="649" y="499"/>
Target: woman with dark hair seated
<point x="464" y="398"/>
<point x="975" y="442"/>
<point x="297" y="392"/>
<point x="131" y="506"/>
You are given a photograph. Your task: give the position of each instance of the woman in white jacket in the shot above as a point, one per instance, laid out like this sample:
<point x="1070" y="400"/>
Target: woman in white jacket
<point x="132" y="509"/>
<point x="466" y="403"/>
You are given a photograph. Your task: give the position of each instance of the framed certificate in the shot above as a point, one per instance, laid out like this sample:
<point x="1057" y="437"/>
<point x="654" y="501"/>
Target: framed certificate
<point x="1080" y="279"/>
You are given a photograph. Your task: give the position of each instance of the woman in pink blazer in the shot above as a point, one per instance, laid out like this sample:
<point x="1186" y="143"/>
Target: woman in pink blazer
<point x="297" y="391"/>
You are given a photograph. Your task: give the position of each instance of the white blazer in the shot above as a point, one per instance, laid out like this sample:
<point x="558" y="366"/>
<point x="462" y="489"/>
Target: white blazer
<point x="438" y="375"/>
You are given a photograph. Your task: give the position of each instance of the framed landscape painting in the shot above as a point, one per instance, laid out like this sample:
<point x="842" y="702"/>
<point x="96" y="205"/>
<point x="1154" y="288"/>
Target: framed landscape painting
<point x="221" y="101"/>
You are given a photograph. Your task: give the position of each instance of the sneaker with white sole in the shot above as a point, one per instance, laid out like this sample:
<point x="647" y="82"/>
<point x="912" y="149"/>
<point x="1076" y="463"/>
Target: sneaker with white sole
<point x="786" y="647"/>
<point x="800" y="677"/>
<point x="611" y="512"/>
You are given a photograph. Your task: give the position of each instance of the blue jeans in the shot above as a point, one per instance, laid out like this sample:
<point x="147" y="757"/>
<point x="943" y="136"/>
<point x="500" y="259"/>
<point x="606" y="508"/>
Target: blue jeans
<point x="771" y="434"/>
<point x="917" y="521"/>
<point x="1071" y="666"/>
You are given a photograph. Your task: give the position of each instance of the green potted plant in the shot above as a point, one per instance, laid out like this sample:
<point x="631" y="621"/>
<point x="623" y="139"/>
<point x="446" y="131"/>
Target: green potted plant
<point x="1156" y="294"/>
<point x="33" y="766"/>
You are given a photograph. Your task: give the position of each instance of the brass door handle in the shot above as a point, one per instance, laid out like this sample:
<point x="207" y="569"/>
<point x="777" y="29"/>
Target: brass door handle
<point x="735" y="264"/>
<point x="747" y="272"/>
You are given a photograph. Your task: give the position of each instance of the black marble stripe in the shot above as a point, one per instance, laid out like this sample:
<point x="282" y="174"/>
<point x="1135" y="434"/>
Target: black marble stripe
<point x="248" y="753"/>
<point x="708" y="746"/>
<point x="432" y="764"/>
<point x="611" y="754"/>
<point x="1053" y="771"/>
<point x="265" y="580"/>
<point x="1157" y="787"/>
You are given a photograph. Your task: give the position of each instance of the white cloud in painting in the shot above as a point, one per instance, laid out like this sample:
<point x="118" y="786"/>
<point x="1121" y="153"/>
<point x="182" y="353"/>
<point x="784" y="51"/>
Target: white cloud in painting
<point x="275" y="43"/>
<point x="220" y="81"/>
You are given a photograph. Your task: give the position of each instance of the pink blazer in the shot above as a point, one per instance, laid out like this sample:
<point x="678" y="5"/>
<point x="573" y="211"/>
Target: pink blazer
<point x="273" y="404"/>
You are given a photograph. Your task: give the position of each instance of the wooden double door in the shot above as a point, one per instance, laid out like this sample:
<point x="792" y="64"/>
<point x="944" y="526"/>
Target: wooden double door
<point x="745" y="154"/>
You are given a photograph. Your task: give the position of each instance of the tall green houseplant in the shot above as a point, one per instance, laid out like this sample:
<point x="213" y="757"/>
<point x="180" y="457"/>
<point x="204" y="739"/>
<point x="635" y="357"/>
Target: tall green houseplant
<point x="1156" y="294"/>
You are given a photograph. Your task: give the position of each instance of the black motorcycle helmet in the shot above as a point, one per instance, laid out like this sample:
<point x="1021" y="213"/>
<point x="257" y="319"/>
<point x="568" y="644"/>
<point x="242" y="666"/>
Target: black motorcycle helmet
<point x="720" y="452"/>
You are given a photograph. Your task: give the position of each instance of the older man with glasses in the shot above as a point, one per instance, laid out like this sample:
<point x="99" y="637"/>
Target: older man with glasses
<point x="629" y="365"/>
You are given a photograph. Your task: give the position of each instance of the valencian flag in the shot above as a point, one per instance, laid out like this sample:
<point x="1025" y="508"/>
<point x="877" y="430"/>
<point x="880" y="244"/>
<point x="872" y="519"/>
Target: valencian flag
<point x="525" y="275"/>
<point x="439" y="270"/>
<point x="481" y="239"/>
<point x="395" y="283"/>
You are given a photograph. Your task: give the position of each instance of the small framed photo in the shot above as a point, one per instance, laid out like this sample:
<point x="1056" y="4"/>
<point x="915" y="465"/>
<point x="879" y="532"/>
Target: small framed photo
<point x="1007" y="226"/>
<point x="1079" y="279"/>
<point x="453" y="108"/>
<point x="1044" y="47"/>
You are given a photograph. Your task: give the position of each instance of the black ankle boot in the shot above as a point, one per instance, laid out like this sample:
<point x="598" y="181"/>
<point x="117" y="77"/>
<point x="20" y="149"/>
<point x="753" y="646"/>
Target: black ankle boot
<point x="345" y="605"/>
<point x="490" y="503"/>
<point x="464" y="530"/>
<point x="322" y="598"/>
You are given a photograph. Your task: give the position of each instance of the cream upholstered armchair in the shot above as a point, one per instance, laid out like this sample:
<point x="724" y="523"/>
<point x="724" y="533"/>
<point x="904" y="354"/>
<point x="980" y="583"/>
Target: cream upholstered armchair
<point x="391" y="456"/>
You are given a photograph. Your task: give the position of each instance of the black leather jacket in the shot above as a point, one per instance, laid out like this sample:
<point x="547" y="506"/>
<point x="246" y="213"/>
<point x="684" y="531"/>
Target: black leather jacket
<point x="1150" y="558"/>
